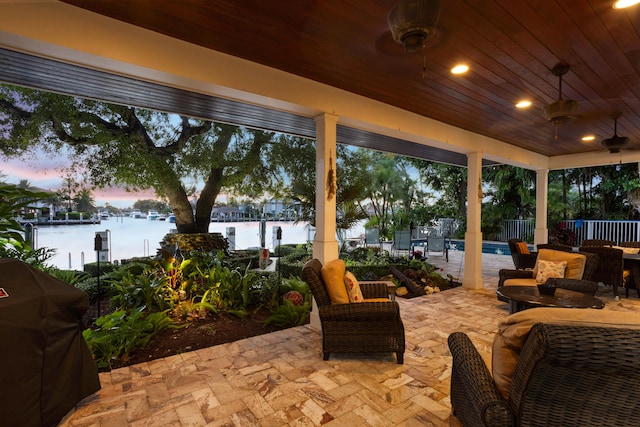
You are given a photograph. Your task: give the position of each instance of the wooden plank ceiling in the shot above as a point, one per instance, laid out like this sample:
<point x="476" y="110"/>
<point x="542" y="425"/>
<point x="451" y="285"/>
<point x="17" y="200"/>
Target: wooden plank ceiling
<point x="510" y="45"/>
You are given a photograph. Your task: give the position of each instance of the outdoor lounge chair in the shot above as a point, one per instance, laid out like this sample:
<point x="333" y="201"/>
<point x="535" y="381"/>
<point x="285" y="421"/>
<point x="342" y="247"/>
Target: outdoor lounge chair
<point x="523" y="258"/>
<point x="361" y="327"/>
<point x="628" y="275"/>
<point x="435" y="243"/>
<point x="372" y="237"/>
<point x="610" y="268"/>
<point x="401" y="242"/>
<point x="551" y="367"/>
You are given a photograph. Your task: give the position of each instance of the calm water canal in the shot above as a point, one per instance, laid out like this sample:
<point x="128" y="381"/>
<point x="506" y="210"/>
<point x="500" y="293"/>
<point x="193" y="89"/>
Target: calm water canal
<point x="130" y="237"/>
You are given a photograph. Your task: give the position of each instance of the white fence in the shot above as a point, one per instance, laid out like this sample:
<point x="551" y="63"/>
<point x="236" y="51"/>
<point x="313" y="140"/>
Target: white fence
<point x="517" y="229"/>
<point x="618" y="231"/>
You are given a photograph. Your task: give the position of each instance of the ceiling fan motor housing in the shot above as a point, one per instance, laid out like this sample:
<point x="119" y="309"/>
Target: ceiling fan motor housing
<point x="412" y="22"/>
<point x="615" y="143"/>
<point x="561" y="111"/>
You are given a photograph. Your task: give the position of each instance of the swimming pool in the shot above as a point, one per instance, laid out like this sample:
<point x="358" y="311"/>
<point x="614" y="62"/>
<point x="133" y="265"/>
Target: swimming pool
<point x="497" y="248"/>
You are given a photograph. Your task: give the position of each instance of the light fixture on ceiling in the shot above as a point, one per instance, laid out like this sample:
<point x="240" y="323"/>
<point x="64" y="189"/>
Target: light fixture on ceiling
<point x="562" y="110"/>
<point x="615" y="143"/>
<point x="525" y="103"/>
<point x="412" y="22"/>
<point x="460" y="69"/>
<point x="588" y="138"/>
<point x="622" y="4"/>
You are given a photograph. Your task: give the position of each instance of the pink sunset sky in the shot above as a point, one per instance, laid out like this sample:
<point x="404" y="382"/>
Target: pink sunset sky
<point x="44" y="173"/>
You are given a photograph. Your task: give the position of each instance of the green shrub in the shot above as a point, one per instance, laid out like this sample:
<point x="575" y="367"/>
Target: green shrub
<point x="289" y="314"/>
<point x="118" y="334"/>
<point x="91" y="268"/>
<point x="71" y="277"/>
<point x="90" y="286"/>
<point x="149" y="291"/>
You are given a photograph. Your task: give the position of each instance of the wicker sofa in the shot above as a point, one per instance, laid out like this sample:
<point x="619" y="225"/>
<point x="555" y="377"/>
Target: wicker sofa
<point x="572" y="372"/>
<point x="364" y="327"/>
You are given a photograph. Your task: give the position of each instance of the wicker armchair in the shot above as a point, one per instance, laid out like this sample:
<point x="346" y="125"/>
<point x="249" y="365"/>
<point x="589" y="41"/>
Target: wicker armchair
<point x="631" y="270"/>
<point x="521" y="260"/>
<point x="365" y="327"/>
<point x="610" y="266"/>
<point x="565" y="375"/>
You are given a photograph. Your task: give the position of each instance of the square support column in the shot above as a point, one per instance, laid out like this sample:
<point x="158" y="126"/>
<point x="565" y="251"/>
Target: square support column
<point x="541" y="233"/>
<point x="325" y="245"/>
<point x="473" y="237"/>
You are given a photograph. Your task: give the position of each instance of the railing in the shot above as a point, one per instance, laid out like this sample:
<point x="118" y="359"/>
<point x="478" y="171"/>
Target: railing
<point x="618" y="231"/>
<point x="517" y="229"/>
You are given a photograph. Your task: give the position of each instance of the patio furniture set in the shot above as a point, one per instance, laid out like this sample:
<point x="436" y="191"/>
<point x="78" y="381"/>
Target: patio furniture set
<point x="551" y="365"/>
<point x="555" y="365"/>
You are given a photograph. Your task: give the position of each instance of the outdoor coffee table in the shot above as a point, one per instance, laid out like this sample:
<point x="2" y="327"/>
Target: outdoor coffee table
<point x="523" y="297"/>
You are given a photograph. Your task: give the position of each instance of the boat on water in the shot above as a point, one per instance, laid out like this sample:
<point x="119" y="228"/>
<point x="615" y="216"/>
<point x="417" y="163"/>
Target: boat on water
<point x="136" y="213"/>
<point x="152" y="215"/>
<point x="104" y="214"/>
<point x="171" y="218"/>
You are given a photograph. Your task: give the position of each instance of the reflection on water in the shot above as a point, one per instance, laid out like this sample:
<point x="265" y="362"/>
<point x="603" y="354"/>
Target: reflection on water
<point x="130" y="237"/>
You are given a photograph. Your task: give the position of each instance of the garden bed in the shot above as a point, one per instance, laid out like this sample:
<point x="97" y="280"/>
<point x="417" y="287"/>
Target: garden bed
<point x="213" y="330"/>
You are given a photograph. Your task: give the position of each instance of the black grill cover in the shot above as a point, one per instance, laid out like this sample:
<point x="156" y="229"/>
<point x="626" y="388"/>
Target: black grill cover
<point x="45" y="365"/>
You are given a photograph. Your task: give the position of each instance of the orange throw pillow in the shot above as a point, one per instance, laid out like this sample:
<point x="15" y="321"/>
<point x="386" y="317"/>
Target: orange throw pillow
<point x="523" y="248"/>
<point x="333" y="277"/>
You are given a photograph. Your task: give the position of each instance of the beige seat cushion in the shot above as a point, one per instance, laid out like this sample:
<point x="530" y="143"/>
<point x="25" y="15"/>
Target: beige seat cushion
<point x="514" y="330"/>
<point x="631" y="251"/>
<point x="520" y="281"/>
<point x="575" y="262"/>
<point x="333" y="277"/>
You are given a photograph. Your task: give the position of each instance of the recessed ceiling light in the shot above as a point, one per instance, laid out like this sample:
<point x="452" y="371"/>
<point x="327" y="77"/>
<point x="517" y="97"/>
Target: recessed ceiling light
<point x="525" y="103"/>
<point x="621" y="4"/>
<point x="461" y="68"/>
<point x="588" y="138"/>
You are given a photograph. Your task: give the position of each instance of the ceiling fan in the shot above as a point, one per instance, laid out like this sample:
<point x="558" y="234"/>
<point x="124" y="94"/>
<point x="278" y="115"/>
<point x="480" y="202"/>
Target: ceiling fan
<point x="562" y="110"/>
<point x="615" y="143"/>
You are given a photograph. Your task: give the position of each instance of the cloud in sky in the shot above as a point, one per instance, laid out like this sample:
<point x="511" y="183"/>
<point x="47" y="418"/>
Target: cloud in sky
<point x="44" y="173"/>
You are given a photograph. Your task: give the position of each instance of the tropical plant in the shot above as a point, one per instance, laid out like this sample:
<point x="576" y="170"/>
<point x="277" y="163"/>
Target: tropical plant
<point x="13" y="200"/>
<point x="289" y="314"/>
<point x="18" y="249"/>
<point x="68" y="276"/>
<point x="149" y="291"/>
<point x="117" y="334"/>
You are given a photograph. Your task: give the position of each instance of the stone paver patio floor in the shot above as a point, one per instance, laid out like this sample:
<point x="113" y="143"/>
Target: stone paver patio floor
<point x="280" y="379"/>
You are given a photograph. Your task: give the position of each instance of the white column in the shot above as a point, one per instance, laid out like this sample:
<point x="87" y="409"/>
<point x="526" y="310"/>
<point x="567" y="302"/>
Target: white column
<point x="325" y="245"/>
<point x="541" y="233"/>
<point x="473" y="236"/>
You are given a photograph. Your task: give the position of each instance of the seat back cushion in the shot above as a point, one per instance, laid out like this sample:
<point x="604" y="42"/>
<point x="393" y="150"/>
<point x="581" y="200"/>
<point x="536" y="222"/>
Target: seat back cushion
<point x="514" y="330"/>
<point x="333" y="277"/>
<point x="575" y="262"/>
<point x="523" y="248"/>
